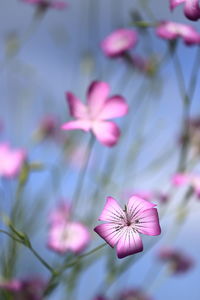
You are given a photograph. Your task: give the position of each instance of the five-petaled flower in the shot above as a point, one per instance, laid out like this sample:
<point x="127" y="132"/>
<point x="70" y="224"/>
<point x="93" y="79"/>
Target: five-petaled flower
<point x="173" y="30"/>
<point x="123" y="226"/>
<point x="11" y="160"/>
<point x="94" y="115"/>
<point x="191" y="8"/>
<point x="118" y="42"/>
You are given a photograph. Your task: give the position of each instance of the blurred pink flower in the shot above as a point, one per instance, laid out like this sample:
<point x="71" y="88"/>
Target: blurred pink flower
<point x="118" y="42"/>
<point x="60" y="215"/>
<point x="68" y="236"/>
<point x="11" y="160"/>
<point x="44" y="4"/>
<point x="191" y="8"/>
<point x="134" y="294"/>
<point x="178" y="262"/>
<point x="123" y="226"/>
<point x="172" y="31"/>
<point x="27" y="289"/>
<point x="93" y="116"/>
<point x="188" y="179"/>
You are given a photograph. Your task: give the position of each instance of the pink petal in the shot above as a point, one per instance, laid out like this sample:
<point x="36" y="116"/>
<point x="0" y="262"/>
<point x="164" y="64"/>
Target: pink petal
<point x="76" y="107"/>
<point x="181" y="179"/>
<point x="96" y="96"/>
<point x="149" y="222"/>
<point x="106" y="132"/>
<point x="129" y="243"/>
<point x="112" y="212"/>
<point x="174" y="3"/>
<point x="136" y="205"/>
<point x="114" y="107"/>
<point x="77" y="124"/>
<point x="110" y="232"/>
<point x="192" y="9"/>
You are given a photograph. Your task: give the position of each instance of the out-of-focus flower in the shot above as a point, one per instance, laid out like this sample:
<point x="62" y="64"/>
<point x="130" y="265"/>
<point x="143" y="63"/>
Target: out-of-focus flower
<point x="100" y="298"/>
<point x="172" y="31"/>
<point x="194" y="134"/>
<point x="11" y="160"/>
<point x="193" y="180"/>
<point x="123" y="226"/>
<point x="134" y="294"/>
<point x="148" y="66"/>
<point x="178" y="261"/>
<point x="160" y="196"/>
<point x="64" y="234"/>
<point x="118" y="42"/>
<point x="93" y="116"/>
<point x="27" y="289"/>
<point x="45" y="4"/>
<point x="68" y="236"/>
<point x="191" y="8"/>
<point x="48" y="128"/>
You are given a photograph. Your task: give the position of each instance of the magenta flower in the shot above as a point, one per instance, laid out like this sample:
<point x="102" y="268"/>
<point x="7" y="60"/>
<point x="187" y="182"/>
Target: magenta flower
<point x="94" y="115"/>
<point x="172" y="31"/>
<point x="118" y="42"/>
<point x="178" y="261"/>
<point x="193" y="180"/>
<point x="11" y="161"/>
<point x="123" y="226"/>
<point x="191" y="8"/>
<point x="45" y="4"/>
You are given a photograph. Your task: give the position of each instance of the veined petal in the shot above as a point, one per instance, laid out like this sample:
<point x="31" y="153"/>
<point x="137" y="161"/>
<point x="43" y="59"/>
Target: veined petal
<point x="112" y="212"/>
<point x="76" y="107"/>
<point x="174" y="3"/>
<point x="106" y="132"/>
<point x="129" y="243"/>
<point x="192" y="9"/>
<point x="77" y="124"/>
<point x="96" y="96"/>
<point x="136" y="205"/>
<point x="149" y="222"/>
<point x="110" y="232"/>
<point x="114" y="107"/>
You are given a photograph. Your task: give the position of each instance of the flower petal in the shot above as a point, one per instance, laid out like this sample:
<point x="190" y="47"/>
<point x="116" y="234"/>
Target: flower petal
<point x="181" y="179"/>
<point x="110" y="232"/>
<point x="136" y="205"/>
<point x="129" y="243"/>
<point x="112" y="212"/>
<point x="76" y="107"/>
<point x="192" y="9"/>
<point x="174" y="3"/>
<point x="149" y="222"/>
<point x="114" y="107"/>
<point x="96" y="96"/>
<point x="77" y="124"/>
<point x="106" y="132"/>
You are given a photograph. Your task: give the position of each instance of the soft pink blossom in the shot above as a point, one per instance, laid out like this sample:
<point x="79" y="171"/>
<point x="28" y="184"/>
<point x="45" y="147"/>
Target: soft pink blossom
<point x="44" y="4"/>
<point x="118" y="42"/>
<point x="191" y="179"/>
<point x="11" y="160"/>
<point x="122" y="227"/>
<point x="94" y="115"/>
<point x="179" y="262"/>
<point x="191" y="8"/>
<point x="172" y="31"/>
<point x="68" y="236"/>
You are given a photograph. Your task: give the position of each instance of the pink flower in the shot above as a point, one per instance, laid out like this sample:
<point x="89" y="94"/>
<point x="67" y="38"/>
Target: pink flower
<point x="134" y="294"/>
<point x="27" y="289"/>
<point x="178" y="262"/>
<point x="11" y="161"/>
<point x="123" y="226"/>
<point x="68" y="236"/>
<point x="118" y="42"/>
<point x="187" y="178"/>
<point x="44" y="4"/>
<point x="60" y="215"/>
<point x="191" y="8"/>
<point x="94" y="114"/>
<point x="172" y="30"/>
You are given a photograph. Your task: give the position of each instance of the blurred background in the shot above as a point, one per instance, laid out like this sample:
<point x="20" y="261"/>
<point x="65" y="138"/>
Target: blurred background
<point x="43" y="55"/>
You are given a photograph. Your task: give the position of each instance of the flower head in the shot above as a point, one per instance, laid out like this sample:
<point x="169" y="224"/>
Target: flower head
<point x="178" y="261"/>
<point x="123" y="226"/>
<point x="134" y="294"/>
<point x="191" y="8"/>
<point x="118" y="42"/>
<point x="60" y="215"/>
<point x="94" y="115"/>
<point x="172" y="31"/>
<point x="45" y="4"/>
<point x="193" y="180"/>
<point x="11" y="160"/>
